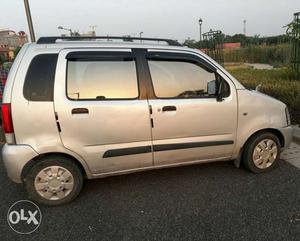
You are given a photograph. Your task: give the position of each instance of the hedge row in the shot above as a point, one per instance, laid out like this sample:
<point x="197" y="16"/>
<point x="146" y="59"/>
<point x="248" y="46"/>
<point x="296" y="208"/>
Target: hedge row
<point x="274" y="82"/>
<point x="278" y="55"/>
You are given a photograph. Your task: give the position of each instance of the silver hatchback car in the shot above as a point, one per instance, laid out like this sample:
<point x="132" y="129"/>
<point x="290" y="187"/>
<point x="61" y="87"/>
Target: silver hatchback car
<point x="76" y="108"/>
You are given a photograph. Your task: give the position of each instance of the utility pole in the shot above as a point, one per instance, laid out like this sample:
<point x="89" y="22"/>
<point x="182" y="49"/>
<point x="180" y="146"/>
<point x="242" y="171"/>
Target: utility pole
<point x="244" y="28"/>
<point x="200" y="24"/>
<point x="29" y="20"/>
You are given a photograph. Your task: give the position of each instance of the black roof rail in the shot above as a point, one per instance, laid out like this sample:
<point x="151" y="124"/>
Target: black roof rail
<point x="52" y="40"/>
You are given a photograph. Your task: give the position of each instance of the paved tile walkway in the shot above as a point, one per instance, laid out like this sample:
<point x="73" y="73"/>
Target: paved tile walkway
<point x="292" y="154"/>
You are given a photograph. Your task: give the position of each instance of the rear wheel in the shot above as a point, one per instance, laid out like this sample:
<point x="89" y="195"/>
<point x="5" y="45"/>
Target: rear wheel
<point x="54" y="180"/>
<point x="261" y="152"/>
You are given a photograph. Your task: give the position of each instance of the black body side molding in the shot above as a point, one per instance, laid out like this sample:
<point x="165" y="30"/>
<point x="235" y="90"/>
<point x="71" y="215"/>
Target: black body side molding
<point x="127" y="151"/>
<point x="162" y="147"/>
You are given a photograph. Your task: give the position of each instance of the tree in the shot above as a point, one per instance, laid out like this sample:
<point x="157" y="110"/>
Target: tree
<point x="293" y="31"/>
<point x="293" y="28"/>
<point x="191" y="43"/>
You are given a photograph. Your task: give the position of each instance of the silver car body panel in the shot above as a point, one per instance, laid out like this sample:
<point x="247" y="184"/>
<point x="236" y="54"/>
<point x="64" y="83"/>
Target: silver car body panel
<point x="41" y="135"/>
<point x="15" y="157"/>
<point x="109" y="125"/>
<point x="253" y="117"/>
<point x="215" y="130"/>
<point x="195" y="121"/>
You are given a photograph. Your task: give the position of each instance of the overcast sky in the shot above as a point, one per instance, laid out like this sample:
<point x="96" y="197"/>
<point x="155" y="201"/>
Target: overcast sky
<point x="156" y="18"/>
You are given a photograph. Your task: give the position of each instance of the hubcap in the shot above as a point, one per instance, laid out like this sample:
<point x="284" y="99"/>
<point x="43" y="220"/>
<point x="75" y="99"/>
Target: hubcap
<point x="54" y="183"/>
<point x="265" y="153"/>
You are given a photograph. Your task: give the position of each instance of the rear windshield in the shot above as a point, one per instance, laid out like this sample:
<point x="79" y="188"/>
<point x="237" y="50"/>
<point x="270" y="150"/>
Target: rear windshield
<point x="39" y="81"/>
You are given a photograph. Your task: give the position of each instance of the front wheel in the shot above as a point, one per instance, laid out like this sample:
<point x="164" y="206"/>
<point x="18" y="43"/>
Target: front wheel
<point x="54" y="180"/>
<point x="261" y="152"/>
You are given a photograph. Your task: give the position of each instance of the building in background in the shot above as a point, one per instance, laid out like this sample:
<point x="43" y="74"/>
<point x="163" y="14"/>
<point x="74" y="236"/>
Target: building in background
<point x="10" y="41"/>
<point x="88" y="34"/>
<point x="5" y="52"/>
<point x="77" y="34"/>
<point x="231" y="45"/>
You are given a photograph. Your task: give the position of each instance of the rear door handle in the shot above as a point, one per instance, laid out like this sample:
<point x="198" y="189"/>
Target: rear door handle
<point x="169" y="108"/>
<point x="80" y="111"/>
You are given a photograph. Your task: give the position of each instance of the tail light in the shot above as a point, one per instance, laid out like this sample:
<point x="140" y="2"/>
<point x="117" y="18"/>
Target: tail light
<point x="7" y="123"/>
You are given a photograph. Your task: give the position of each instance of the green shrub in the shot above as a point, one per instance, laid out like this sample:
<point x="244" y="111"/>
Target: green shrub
<point x="274" y="82"/>
<point x="278" y="55"/>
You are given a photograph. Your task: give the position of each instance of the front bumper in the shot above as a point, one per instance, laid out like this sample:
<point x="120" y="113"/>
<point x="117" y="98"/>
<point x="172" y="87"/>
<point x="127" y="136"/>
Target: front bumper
<point x="287" y="133"/>
<point x="15" y="157"/>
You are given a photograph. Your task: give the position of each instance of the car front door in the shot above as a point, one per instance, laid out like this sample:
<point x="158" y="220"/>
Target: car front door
<point x="190" y="121"/>
<point x="102" y="114"/>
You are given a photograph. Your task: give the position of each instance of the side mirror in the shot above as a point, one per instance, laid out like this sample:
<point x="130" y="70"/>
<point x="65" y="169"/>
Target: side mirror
<point x="220" y="94"/>
<point x="212" y="87"/>
<point x="218" y="88"/>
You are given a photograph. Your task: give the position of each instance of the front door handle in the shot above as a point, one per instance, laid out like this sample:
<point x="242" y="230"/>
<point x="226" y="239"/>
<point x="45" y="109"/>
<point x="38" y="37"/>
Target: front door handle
<point x="80" y="111"/>
<point x="169" y="108"/>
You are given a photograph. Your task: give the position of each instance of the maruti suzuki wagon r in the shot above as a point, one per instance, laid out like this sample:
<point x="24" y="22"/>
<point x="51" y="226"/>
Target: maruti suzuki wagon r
<point x="85" y="107"/>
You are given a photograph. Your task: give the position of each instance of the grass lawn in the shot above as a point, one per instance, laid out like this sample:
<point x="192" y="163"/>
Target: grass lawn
<point x="274" y="82"/>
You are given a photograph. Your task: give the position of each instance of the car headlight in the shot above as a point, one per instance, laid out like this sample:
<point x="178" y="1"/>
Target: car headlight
<point x="288" y="117"/>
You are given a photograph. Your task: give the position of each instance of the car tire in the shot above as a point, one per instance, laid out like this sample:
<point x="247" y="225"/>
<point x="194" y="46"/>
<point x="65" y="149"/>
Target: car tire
<point x="261" y="152"/>
<point x="53" y="180"/>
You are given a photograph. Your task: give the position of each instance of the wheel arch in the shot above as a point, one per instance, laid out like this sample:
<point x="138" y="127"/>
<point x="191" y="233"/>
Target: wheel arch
<point x="274" y="131"/>
<point x="33" y="161"/>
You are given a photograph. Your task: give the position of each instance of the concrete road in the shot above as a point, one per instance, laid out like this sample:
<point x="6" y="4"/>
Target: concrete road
<point x="203" y="202"/>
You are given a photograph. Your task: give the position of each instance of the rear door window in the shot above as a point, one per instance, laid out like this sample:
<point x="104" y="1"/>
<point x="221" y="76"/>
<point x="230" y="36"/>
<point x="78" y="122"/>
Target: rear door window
<point x="102" y="78"/>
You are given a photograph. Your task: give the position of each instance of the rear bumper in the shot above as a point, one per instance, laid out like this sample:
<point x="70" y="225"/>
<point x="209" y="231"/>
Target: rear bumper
<point x="15" y="158"/>
<point x="287" y="133"/>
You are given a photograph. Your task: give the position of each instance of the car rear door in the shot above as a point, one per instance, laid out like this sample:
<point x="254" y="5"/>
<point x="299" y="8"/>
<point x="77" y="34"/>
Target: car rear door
<point x="190" y="124"/>
<point x="101" y="108"/>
